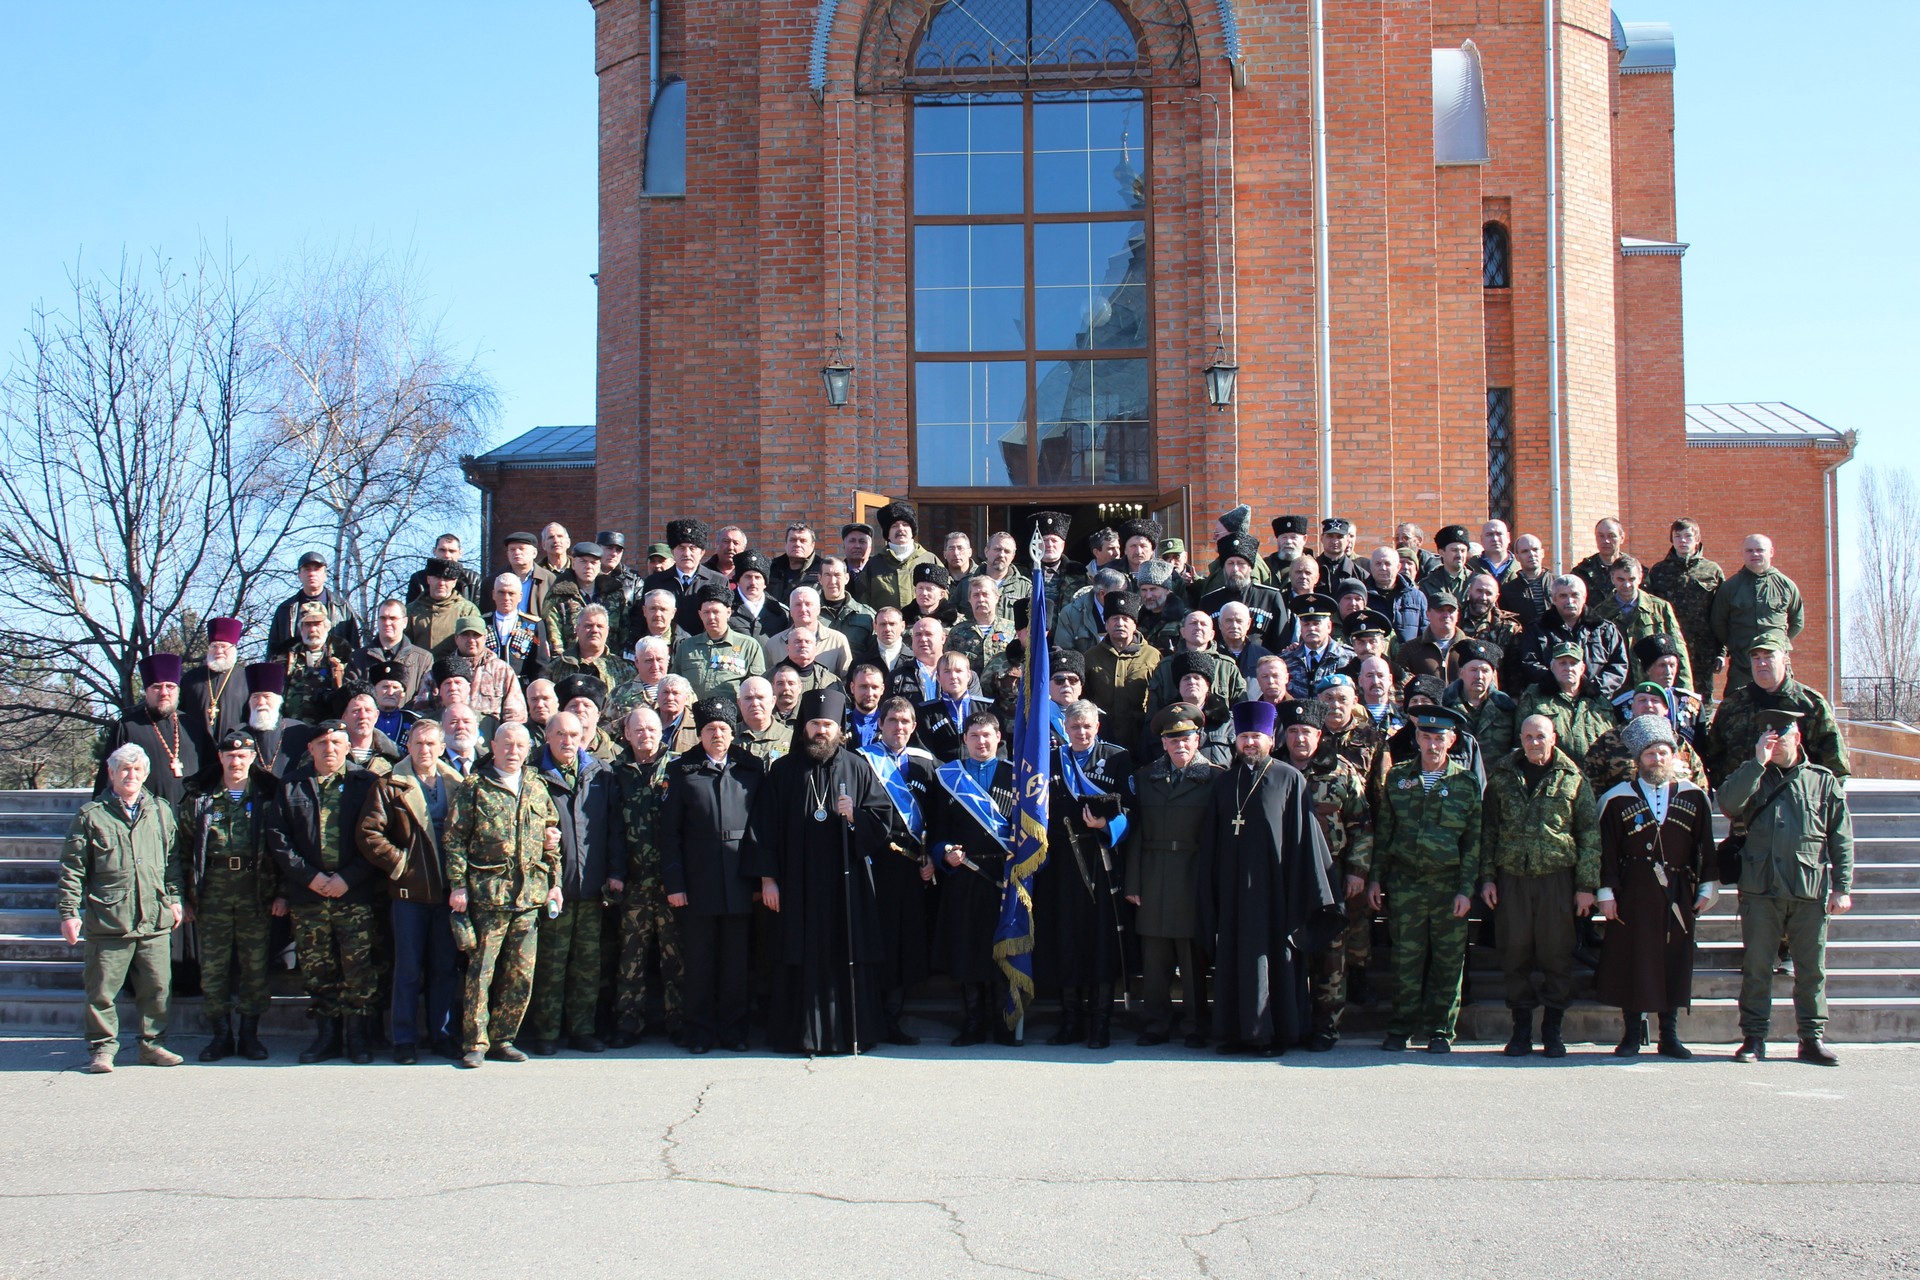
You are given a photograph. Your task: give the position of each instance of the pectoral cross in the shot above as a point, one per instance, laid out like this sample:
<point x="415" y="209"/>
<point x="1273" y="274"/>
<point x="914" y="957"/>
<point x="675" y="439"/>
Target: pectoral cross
<point x="1238" y="822"/>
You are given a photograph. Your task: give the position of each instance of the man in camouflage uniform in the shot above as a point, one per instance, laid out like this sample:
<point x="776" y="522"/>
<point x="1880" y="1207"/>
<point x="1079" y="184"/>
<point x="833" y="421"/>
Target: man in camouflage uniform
<point x="1735" y="727"/>
<point x="716" y="660"/>
<point x="1426" y="851"/>
<point x="1338" y="794"/>
<point x="1637" y="615"/>
<point x="231" y="891"/>
<point x="1482" y="617"/>
<point x="1492" y="717"/>
<point x="1609" y="763"/>
<point x="1580" y="715"/>
<point x="1540" y="867"/>
<point x="1609" y="541"/>
<point x="503" y="867"/>
<point x="1453" y="572"/>
<point x="1687" y="580"/>
<point x="332" y="892"/>
<point x="315" y="673"/>
<point x="1756" y="600"/>
<point x="648" y="929"/>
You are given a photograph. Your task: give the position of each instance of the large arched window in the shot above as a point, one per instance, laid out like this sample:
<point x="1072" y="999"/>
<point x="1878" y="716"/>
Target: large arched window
<point x="1029" y="227"/>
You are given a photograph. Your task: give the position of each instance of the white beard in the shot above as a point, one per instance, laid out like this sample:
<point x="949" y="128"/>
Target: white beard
<point x="220" y="666"/>
<point x="266" y="720"/>
<point x="462" y="744"/>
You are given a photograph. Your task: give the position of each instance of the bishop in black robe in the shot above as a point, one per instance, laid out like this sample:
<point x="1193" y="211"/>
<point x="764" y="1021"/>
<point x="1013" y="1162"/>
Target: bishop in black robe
<point x="802" y="839"/>
<point x="1264" y="895"/>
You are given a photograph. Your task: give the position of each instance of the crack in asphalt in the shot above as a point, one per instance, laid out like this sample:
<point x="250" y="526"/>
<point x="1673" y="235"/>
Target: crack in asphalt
<point x="1189" y="1239"/>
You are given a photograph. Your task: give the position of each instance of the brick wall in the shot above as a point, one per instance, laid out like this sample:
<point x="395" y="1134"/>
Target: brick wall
<point x="1774" y="489"/>
<point x="524" y="499"/>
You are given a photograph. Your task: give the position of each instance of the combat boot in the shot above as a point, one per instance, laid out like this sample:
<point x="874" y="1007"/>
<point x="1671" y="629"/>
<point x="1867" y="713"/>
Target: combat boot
<point x="326" y="1041"/>
<point x="1520" y="1043"/>
<point x="1670" y="1046"/>
<point x="1815" y="1051"/>
<point x="506" y="1052"/>
<point x="1633" y="1035"/>
<point x="359" y="1038"/>
<point x="1753" y="1048"/>
<point x="250" y="1047"/>
<point x="1073" y="1018"/>
<point x="973" y="1016"/>
<point x="158" y="1055"/>
<point x="100" y="1059"/>
<point x="221" y="1046"/>
<point x="1552" y="1041"/>
<point x="1100" y="1018"/>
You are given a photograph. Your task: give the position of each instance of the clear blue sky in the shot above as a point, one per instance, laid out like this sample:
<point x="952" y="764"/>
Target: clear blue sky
<point x="466" y="132"/>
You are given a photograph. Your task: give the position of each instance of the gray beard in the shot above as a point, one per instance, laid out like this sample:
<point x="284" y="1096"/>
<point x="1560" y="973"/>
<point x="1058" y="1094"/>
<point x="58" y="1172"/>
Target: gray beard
<point x="1660" y="777"/>
<point x="462" y="744"/>
<point x="220" y="666"/>
<point x="266" y="721"/>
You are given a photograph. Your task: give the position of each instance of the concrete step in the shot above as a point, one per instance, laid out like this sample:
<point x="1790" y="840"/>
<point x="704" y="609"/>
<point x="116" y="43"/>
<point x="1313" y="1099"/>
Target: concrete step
<point x="1882" y="798"/>
<point x="29" y="869"/>
<point x="1723" y="927"/>
<point x="1899" y="826"/>
<point x="58" y="975"/>
<point x="59" y="1013"/>
<point x="1898" y="954"/>
<point x="32" y="848"/>
<point x="38" y="921"/>
<point x="24" y="897"/>
<point x="1868" y="850"/>
<point x="40" y="825"/>
<point x="1886" y="875"/>
<point x="1488" y="986"/>
<point x="50" y="800"/>
<point x="35" y="946"/>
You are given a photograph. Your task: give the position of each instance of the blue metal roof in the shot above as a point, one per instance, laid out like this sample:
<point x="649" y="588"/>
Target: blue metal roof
<point x="1649" y="48"/>
<point x="543" y="447"/>
<point x="1768" y="422"/>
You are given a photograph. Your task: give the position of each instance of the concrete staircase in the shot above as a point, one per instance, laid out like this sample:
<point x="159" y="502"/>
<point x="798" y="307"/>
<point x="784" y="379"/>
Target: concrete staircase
<point x="1873" y="955"/>
<point x="41" y="986"/>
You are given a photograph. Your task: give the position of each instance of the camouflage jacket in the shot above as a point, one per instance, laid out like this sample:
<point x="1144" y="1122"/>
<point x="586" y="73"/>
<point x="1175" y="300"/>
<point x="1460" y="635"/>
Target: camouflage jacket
<point x="1598" y="575"/>
<point x="1537" y="829"/>
<point x="120" y="877"/>
<point x="1689" y="586"/>
<point x="609" y="668"/>
<point x="496" y="842"/>
<point x="1750" y="603"/>
<point x="1362" y="745"/>
<point x="313" y="689"/>
<point x="1494" y="724"/>
<point x="981" y="644"/>
<point x="1651" y="616"/>
<point x="643" y="788"/>
<point x="1497" y="627"/>
<point x="1439" y="580"/>
<point x="1339" y="795"/>
<point x="1578" y="722"/>
<point x="560" y="613"/>
<point x="1731" y="735"/>
<point x="718" y="666"/>
<point x="1423" y="837"/>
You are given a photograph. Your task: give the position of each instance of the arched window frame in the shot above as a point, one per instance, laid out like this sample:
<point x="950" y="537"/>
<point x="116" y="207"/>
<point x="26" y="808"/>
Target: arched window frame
<point x="664" y="167"/>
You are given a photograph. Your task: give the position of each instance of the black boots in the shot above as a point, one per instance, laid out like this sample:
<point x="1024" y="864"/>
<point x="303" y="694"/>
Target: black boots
<point x="1633" y="1035"/>
<point x="1552" y="1043"/>
<point x="1100" y="1018"/>
<point x="221" y="1045"/>
<point x="1520" y="1043"/>
<point x="894" y="1008"/>
<point x="359" y="1038"/>
<point x="973" y="1015"/>
<point x="326" y="1041"/>
<point x="1073" y="1017"/>
<point x="1815" y="1051"/>
<point x="250" y="1047"/>
<point x="1670" y="1046"/>
<point x="1753" y="1048"/>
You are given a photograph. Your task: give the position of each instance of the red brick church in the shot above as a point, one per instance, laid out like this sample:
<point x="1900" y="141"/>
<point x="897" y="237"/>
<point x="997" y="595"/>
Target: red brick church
<point x="999" y="254"/>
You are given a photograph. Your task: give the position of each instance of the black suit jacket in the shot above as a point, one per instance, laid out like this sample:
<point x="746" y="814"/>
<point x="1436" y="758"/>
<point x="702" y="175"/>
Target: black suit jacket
<point x="703" y="821"/>
<point x="687" y="608"/>
<point x="293" y="838"/>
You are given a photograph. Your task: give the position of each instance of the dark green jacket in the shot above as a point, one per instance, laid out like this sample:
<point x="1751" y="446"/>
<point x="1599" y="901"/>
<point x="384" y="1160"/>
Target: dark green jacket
<point x="1495" y="725"/>
<point x="1428" y="838"/>
<point x="1540" y="829"/>
<point x="1733" y="734"/>
<point x="1801" y="844"/>
<point x="120" y="878"/>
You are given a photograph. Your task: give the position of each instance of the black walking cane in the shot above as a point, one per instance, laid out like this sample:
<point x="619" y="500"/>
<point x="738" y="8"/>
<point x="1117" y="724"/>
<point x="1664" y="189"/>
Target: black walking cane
<point x="846" y="878"/>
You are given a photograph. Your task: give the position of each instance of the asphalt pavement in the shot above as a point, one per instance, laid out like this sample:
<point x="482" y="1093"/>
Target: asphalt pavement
<point x="932" y="1162"/>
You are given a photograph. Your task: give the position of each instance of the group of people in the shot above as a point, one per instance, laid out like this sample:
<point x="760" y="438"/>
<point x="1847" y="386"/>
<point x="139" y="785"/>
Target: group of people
<point x="586" y="801"/>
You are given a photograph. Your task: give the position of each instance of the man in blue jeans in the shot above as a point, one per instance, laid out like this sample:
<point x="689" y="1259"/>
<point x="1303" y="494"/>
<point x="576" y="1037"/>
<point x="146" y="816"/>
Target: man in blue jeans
<point x="400" y="833"/>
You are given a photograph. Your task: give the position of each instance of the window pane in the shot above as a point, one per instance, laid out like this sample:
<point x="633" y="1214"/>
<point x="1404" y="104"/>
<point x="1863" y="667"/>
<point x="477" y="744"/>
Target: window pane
<point x="969" y="288"/>
<point x="969" y="422"/>
<point x="1088" y="152"/>
<point x="967" y="155"/>
<point x="1093" y="422"/>
<point x="1090" y="285"/>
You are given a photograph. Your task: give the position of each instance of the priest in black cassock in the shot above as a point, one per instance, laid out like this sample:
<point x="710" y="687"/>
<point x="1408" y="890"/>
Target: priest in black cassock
<point x="172" y="741"/>
<point x="214" y="694"/>
<point x="819" y="821"/>
<point x="1265" y="896"/>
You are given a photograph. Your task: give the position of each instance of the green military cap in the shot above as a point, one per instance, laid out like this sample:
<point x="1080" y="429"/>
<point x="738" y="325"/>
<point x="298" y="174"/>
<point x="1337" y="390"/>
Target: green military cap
<point x="1651" y="686"/>
<point x="1772" y="641"/>
<point x="1176" y="719"/>
<point x="1172" y="547"/>
<point x="1443" y="600"/>
<point x="660" y="549"/>
<point x="1567" y="649"/>
<point x="1436" y="718"/>
<point x="1778" y="720"/>
<point x="469" y="624"/>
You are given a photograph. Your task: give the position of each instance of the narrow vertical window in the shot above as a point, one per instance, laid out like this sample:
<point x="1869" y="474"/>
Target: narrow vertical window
<point x="1495" y="272"/>
<point x="666" y="164"/>
<point x="1500" y="453"/>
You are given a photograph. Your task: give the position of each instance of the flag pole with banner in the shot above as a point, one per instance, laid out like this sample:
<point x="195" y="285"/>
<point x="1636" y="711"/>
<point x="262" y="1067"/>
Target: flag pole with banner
<point x="1032" y="770"/>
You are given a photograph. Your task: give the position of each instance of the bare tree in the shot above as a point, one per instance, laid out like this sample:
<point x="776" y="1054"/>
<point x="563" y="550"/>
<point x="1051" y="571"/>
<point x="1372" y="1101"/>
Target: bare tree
<point x="1883" y="627"/>
<point x="121" y="424"/>
<point x="374" y="414"/>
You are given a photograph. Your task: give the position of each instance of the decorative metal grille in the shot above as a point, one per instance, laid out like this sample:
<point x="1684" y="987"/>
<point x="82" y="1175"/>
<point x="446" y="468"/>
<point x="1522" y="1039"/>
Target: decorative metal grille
<point x="930" y="45"/>
<point x="1494" y="270"/>
<point x="1500" y="453"/>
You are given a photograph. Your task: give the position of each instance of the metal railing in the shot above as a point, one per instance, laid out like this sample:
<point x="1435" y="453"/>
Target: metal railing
<point x="1881" y="697"/>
